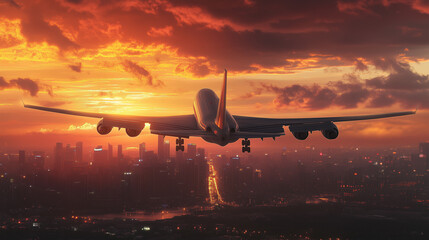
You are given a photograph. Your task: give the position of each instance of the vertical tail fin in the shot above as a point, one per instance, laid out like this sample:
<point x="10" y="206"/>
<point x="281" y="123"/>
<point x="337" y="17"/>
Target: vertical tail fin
<point x="221" y="110"/>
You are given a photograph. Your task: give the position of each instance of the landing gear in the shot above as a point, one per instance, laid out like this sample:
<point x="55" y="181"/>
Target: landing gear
<point x="246" y="145"/>
<point x="179" y="143"/>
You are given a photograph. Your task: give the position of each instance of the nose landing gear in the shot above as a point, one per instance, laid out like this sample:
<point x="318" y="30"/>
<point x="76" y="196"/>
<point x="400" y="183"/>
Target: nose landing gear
<point x="246" y="145"/>
<point x="179" y="144"/>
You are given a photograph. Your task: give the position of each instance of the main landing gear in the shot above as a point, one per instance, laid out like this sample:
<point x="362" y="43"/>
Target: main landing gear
<point x="246" y="145"/>
<point x="179" y="144"/>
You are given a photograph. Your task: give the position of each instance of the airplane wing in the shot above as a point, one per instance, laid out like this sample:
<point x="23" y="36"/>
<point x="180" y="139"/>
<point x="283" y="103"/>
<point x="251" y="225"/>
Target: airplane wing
<point x="272" y="125"/>
<point x="178" y="126"/>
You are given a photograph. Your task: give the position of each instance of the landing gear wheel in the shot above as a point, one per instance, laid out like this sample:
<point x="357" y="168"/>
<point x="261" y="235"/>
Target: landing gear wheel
<point x="180" y="143"/>
<point x="245" y="149"/>
<point x="246" y="145"/>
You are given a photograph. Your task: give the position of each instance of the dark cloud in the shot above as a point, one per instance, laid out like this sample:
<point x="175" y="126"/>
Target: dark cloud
<point x="3" y="83"/>
<point x="401" y="76"/>
<point x="349" y="93"/>
<point x="26" y="84"/>
<point x="381" y="99"/>
<point x="240" y="35"/>
<point x="36" y="29"/>
<point x="141" y="73"/>
<point x="382" y="91"/>
<point x="76" y="67"/>
<point x="256" y="92"/>
<point x="311" y="97"/>
<point x="198" y="68"/>
<point x="75" y="1"/>
<point x="11" y="3"/>
<point x="360" y="66"/>
<point x="365" y="29"/>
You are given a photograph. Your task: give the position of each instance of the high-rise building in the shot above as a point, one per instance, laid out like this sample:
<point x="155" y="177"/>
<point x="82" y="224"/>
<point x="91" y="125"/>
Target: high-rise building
<point x="100" y="156"/>
<point x="39" y="159"/>
<point x="142" y="151"/>
<point x="120" y="155"/>
<point x="235" y="162"/>
<point x="21" y="161"/>
<point x="79" y="152"/>
<point x="283" y="157"/>
<point x="167" y="151"/>
<point x="110" y="154"/>
<point x="192" y="150"/>
<point x="58" y="157"/>
<point x="424" y="152"/>
<point x="201" y="152"/>
<point x="69" y="154"/>
<point x="161" y="155"/>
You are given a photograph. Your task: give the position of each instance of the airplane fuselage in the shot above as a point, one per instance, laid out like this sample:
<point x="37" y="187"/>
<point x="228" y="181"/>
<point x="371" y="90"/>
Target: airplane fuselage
<point x="205" y="111"/>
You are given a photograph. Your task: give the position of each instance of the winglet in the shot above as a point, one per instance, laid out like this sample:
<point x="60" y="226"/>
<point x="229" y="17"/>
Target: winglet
<point x="221" y="111"/>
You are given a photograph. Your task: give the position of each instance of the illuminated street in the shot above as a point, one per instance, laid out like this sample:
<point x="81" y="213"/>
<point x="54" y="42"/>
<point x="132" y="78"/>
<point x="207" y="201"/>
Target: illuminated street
<point x="215" y="197"/>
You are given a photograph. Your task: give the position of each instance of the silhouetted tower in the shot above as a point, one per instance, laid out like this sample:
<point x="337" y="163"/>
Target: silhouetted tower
<point x="167" y="150"/>
<point x="283" y="157"/>
<point x="161" y="153"/>
<point x="192" y="150"/>
<point x="58" y="157"/>
<point x="142" y="151"/>
<point x="79" y="152"/>
<point x="100" y="156"/>
<point x="120" y="156"/>
<point x="21" y="161"/>
<point x="110" y="153"/>
<point x="201" y="152"/>
<point x="424" y="149"/>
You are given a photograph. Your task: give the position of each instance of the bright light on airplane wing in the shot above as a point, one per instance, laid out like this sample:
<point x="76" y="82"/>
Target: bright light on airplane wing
<point x="184" y="122"/>
<point x="272" y="125"/>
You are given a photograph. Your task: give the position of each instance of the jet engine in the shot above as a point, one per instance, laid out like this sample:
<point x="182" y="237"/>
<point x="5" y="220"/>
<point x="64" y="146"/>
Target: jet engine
<point x="133" y="132"/>
<point x="331" y="133"/>
<point x="102" y="129"/>
<point x="300" y="135"/>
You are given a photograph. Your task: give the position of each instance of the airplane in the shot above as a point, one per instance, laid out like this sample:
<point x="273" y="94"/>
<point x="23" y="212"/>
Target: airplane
<point x="212" y="122"/>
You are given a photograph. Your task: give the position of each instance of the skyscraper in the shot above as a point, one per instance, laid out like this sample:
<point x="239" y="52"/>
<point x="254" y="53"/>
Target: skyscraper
<point x="79" y="152"/>
<point x="166" y="150"/>
<point x="142" y="151"/>
<point x="110" y="154"/>
<point x="161" y="151"/>
<point x="21" y="161"/>
<point x="58" y="157"/>
<point x="201" y="152"/>
<point x="424" y="152"/>
<point x="192" y="150"/>
<point x="100" y="156"/>
<point x="120" y="156"/>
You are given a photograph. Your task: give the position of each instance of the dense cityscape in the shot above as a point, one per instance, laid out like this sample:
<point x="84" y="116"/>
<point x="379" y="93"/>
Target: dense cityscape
<point x="192" y="193"/>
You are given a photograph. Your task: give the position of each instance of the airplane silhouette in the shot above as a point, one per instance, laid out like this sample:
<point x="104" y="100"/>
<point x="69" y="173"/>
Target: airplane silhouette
<point x="212" y="122"/>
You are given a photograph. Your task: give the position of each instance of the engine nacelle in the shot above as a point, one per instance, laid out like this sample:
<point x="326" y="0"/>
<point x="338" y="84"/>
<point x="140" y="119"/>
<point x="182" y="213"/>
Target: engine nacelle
<point x="300" y="135"/>
<point x="102" y="129"/>
<point x="330" y="133"/>
<point x="133" y="132"/>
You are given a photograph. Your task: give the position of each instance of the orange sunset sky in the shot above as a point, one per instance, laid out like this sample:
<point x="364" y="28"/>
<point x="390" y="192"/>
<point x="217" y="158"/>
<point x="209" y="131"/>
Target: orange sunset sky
<point x="285" y="59"/>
